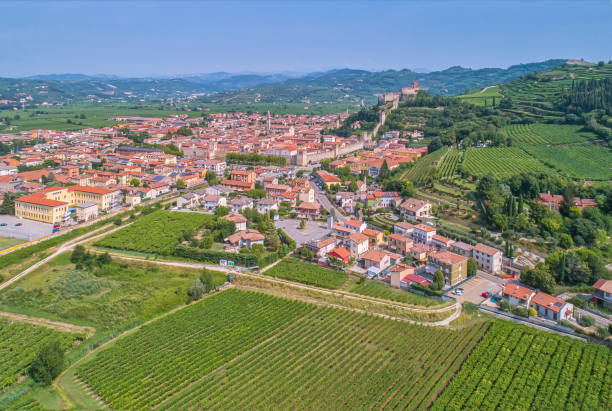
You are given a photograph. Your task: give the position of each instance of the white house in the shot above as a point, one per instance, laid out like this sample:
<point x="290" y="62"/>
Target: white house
<point x="517" y="295"/>
<point x="414" y="209"/>
<point x="552" y="308"/>
<point x="487" y="258"/>
<point x="422" y="233"/>
<point x="266" y="204"/>
<point x="355" y="225"/>
<point x="357" y="243"/>
<point x="404" y="229"/>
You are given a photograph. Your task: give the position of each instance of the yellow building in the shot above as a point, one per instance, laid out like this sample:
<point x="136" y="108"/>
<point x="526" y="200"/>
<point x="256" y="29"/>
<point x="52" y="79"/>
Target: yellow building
<point x="39" y="208"/>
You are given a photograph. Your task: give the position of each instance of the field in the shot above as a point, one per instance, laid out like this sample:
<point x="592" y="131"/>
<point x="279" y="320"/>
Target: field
<point x="576" y="161"/>
<point x="296" y="270"/>
<point x="524" y="369"/>
<point x="6" y="242"/>
<point x="450" y="163"/>
<point x="522" y="134"/>
<point x="105" y="297"/>
<point x="379" y="290"/>
<point x="420" y="171"/>
<point x="19" y="344"/>
<point x="483" y="97"/>
<point x="244" y="350"/>
<point x="501" y="162"/>
<point x="158" y="233"/>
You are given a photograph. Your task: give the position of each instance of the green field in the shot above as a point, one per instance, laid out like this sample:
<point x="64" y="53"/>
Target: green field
<point x="291" y="354"/>
<point x="19" y="344"/>
<point x="450" y="163"/>
<point x="158" y="233"/>
<point x="483" y="97"/>
<point x="379" y="290"/>
<point x="576" y="161"/>
<point x="423" y="167"/>
<point x="522" y="134"/>
<point x="297" y="270"/>
<point x="520" y="368"/>
<point x="501" y="162"/>
<point x="6" y="242"/>
<point x="105" y="297"/>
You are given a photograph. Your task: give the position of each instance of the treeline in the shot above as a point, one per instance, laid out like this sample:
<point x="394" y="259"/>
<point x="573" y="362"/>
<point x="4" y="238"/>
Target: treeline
<point x="588" y="95"/>
<point x="255" y="159"/>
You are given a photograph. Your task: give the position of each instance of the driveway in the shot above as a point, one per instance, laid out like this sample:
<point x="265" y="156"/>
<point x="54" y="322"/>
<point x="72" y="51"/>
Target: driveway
<point x="315" y="230"/>
<point x="475" y="287"/>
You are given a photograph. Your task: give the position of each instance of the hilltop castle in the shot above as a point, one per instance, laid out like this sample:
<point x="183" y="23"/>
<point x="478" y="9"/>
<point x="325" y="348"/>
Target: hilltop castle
<point x="395" y="96"/>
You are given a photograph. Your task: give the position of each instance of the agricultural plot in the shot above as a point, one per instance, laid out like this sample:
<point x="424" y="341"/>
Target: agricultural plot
<point x="501" y="162"/>
<point x="450" y="163"/>
<point x="296" y="270"/>
<point x="161" y="359"/>
<point x="526" y="369"/>
<point x="423" y="167"/>
<point x="523" y="134"/>
<point x="310" y="358"/>
<point x="378" y="290"/>
<point x="576" y="161"/>
<point x="486" y="97"/>
<point x="158" y="233"/>
<point x="19" y="344"/>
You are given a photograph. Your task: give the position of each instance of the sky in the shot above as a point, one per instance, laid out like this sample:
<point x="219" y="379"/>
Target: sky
<point x="152" y="38"/>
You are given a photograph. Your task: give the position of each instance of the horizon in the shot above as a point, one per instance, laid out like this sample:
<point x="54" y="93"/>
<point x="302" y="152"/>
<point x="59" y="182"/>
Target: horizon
<point x="138" y="39"/>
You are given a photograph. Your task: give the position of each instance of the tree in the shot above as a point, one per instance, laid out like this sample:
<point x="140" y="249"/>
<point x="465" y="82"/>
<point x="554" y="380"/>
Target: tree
<point x="272" y="241"/>
<point x="539" y="277"/>
<point x="500" y="221"/>
<point x="197" y="290"/>
<point x="207" y="280"/>
<point x="77" y="254"/>
<point x="565" y="241"/>
<point x="211" y="177"/>
<point x="8" y="204"/>
<point x="438" y="280"/>
<point x="48" y="363"/>
<point x="207" y="242"/>
<point x="302" y="224"/>
<point x="135" y="182"/>
<point x="472" y="267"/>
<point x="104" y="259"/>
<point x="508" y="250"/>
<point x="180" y="184"/>
<point x="352" y="187"/>
<point x="384" y="171"/>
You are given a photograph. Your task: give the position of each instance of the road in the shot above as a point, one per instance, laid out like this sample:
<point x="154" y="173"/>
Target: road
<point x="322" y="199"/>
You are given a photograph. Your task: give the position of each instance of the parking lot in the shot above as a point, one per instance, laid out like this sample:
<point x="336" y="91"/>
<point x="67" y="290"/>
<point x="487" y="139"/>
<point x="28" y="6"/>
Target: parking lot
<point x="474" y="288"/>
<point x="27" y="231"/>
<point x="315" y="230"/>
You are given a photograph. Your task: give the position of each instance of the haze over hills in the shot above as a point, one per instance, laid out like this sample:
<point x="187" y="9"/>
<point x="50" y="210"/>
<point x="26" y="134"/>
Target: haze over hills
<point x="333" y="86"/>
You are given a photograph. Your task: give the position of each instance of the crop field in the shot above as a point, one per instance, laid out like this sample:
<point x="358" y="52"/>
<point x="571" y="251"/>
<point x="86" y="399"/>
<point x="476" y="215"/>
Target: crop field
<point x="576" y="161"/>
<point x="245" y="350"/>
<point x="525" y="369"/>
<point x="378" y="290"/>
<point x="159" y="232"/>
<point x="19" y="344"/>
<point x="419" y="172"/>
<point x="296" y="270"/>
<point x="499" y="161"/>
<point x="483" y="97"/>
<point x="450" y="163"/>
<point x="522" y="134"/>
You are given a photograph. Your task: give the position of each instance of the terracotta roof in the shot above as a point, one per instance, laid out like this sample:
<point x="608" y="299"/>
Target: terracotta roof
<point x="485" y="249"/>
<point x="340" y="252"/>
<point x="93" y="190"/>
<point x="374" y="255"/>
<point x="447" y="257"/>
<point x="603" y="285"/>
<point x="252" y="235"/>
<point x="424" y="227"/>
<point x="548" y="301"/>
<point x="518" y="291"/>
<point x="40" y="199"/>
<point x="358" y="238"/>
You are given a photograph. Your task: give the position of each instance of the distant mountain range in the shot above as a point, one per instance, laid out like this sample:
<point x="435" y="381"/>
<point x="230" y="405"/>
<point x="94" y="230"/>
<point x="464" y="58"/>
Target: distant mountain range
<point x="334" y="86"/>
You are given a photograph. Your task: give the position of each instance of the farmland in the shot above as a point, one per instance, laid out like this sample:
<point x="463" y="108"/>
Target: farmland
<point x="158" y="233"/>
<point x="576" y="161"/>
<point x="499" y="161"/>
<point x="379" y="290"/>
<point x="450" y="163"/>
<point x="419" y="173"/>
<point x="19" y="344"/>
<point x="485" y="97"/>
<point x="296" y="270"/>
<point x="528" y="369"/>
<point x="311" y="358"/>
<point x="522" y="134"/>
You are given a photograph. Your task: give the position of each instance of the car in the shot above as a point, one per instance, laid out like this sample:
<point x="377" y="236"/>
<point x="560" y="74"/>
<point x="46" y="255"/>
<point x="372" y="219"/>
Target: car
<point x="486" y="294"/>
<point x="2" y="224"/>
<point x="18" y="224"/>
<point x="458" y="291"/>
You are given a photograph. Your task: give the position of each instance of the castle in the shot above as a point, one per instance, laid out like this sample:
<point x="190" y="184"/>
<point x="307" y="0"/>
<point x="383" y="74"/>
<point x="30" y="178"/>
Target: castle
<point x="395" y="96"/>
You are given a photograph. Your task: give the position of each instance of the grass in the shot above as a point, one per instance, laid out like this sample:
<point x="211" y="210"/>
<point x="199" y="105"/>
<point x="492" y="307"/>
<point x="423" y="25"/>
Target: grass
<point x="103" y="297"/>
<point x="383" y="291"/>
<point x="483" y="97"/>
<point x="297" y="270"/>
<point x="6" y="242"/>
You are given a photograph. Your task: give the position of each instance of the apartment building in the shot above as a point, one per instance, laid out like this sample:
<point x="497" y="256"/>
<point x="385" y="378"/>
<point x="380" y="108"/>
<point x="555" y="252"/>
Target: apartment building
<point x="453" y="266"/>
<point x="488" y="258"/>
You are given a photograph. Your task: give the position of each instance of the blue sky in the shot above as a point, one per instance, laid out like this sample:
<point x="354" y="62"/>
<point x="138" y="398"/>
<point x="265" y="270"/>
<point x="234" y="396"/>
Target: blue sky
<point x="144" y="38"/>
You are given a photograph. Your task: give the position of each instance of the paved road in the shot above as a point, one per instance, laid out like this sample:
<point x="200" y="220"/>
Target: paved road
<point x="322" y="199"/>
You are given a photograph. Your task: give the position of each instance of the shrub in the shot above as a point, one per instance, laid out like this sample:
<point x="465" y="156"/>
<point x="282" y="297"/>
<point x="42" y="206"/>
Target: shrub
<point x="603" y="333"/>
<point x="505" y="305"/>
<point x="48" y="363"/>
<point x="197" y="290"/>
<point x="586" y="321"/>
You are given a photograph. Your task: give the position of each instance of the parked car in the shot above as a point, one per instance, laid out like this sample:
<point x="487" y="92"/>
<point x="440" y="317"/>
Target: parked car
<point x="458" y="291"/>
<point x="2" y="224"/>
<point x="486" y="294"/>
<point x="18" y="224"/>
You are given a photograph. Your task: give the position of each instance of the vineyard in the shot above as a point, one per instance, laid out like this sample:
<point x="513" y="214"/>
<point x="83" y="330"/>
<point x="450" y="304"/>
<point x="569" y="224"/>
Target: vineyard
<point x="501" y="162"/>
<point x="19" y="344"/>
<point x="576" y="161"/>
<point x="524" y="369"/>
<point x="143" y="369"/>
<point x="450" y="163"/>
<point x="379" y="290"/>
<point x="296" y="270"/>
<point x="420" y="171"/>
<point x="522" y="134"/>
<point x="157" y="233"/>
<point x="316" y="358"/>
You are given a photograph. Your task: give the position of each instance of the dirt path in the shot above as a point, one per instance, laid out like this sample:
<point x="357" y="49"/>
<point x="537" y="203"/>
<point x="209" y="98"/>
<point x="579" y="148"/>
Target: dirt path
<point x="65" y="327"/>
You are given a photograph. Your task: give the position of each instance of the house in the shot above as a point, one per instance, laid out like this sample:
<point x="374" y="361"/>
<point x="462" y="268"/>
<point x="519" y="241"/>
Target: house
<point x="462" y="248"/>
<point x="327" y="179"/>
<point x="376" y="258"/>
<point x="340" y="253"/>
<point x="422" y="233"/>
<point x="265" y="205"/>
<point x="398" y="272"/>
<point x="376" y="237"/>
<point x="218" y="190"/>
<point x="308" y="210"/>
<point x="240" y="203"/>
<point x="400" y="244"/>
<point x="404" y="229"/>
<point x="86" y="211"/>
<point x="555" y="201"/>
<point x="238" y="219"/>
<point x="355" y="225"/>
<point x="453" y="266"/>
<point x="411" y="279"/>
<point x="188" y="200"/>
<point x="322" y="247"/>
<point x="603" y="292"/>
<point x="341" y="231"/>
<point x="440" y="242"/>
<point x="212" y="202"/>
<point x="488" y="258"/>
<point x="415" y="210"/>
<point x="552" y="308"/>
<point x="358" y="243"/>
<point x="517" y="295"/>
<point x="419" y="252"/>
<point x="246" y="238"/>
<point x="240" y="180"/>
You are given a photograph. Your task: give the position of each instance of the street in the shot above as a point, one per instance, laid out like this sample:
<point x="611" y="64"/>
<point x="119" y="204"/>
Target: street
<point x="322" y="199"/>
